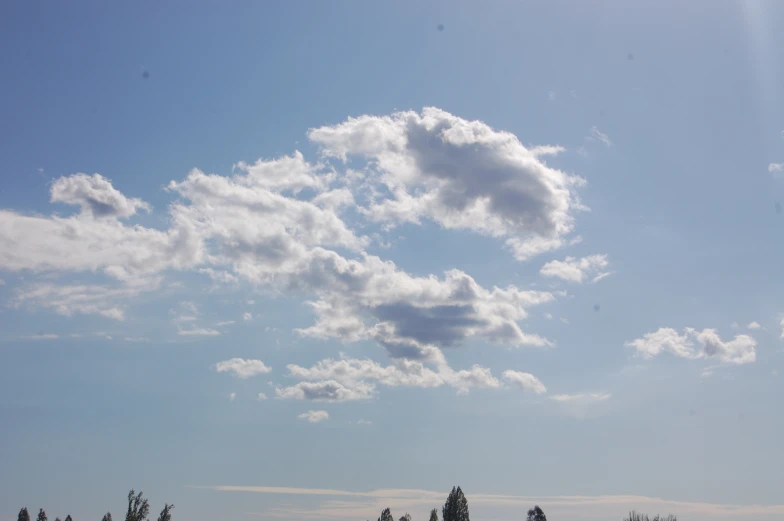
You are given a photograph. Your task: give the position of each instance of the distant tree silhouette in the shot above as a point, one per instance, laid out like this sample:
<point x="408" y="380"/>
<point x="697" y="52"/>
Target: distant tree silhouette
<point x="406" y="517"/>
<point x="107" y="517"/>
<point x="434" y="515"/>
<point x="56" y="519"/>
<point x="456" y="506"/>
<point x="637" y="516"/>
<point x="536" y="514"/>
<point x="166" y="513"/>
<point x="24" y="515"/>
<point x="386" y="515"/>
<point x="68" y="518"/>
<point x="138" y="507"/>
<point x="41" y="515"/>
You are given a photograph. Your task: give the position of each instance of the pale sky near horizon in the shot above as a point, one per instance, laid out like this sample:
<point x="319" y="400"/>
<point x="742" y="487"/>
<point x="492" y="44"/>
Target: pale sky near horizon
<point x="310" y="260"/>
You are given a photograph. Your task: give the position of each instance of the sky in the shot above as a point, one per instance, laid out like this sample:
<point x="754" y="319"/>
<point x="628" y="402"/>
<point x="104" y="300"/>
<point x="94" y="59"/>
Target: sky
<point x="313" y="259"/>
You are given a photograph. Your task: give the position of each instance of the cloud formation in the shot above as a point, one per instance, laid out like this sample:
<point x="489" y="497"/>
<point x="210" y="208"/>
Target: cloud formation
<point x="242" y="368"/>
<point x="314" y="416"/>
<point x="572" y="269"/>
<point x="461" y="174"/>
<point x="740" y="350"/>
<point x="96" y="196"/>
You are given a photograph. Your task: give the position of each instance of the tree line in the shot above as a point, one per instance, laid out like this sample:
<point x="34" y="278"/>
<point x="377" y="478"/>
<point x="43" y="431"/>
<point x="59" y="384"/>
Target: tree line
<point x="456" y="509"/>
<point x="138" y="510"/>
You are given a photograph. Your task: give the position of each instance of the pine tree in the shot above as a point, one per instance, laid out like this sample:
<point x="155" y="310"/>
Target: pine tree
<point x="406" y="517"/>
<point x="41" y="515"/>
<point x="166" y="513"/>
<point x="107" y="517"/>
<point x="56" y="519"/>
<point x="434" y="515"/>
<point x="68" y="518"/>
<point x="536" y="514"/>
<point x="138" y="508"/>
<point x="386" y="515"/>
<point x="23" y="515"/>
<point x="456" y="506"/>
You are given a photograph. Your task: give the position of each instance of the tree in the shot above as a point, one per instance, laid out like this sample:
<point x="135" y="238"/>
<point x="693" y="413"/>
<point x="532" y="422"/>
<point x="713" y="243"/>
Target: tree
<point x="434" y="515"/>
<point x="24" y="515"/>
<point x="406" y="517"/>
<point x="536" y="514"/>
<point x="138" y="507"/>
<point x="56" y="519"/>
<point x="456" y="506"/>
<point x="68" y="518"/>
<point x="107" y="517"/>
<point x="41" y="515"/>
<point x="166" y="513"/>
<point x="637" y="516"/>
<point x="386" y="515"/>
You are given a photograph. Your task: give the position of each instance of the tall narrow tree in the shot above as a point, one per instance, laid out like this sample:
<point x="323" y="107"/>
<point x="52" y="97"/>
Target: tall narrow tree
<point x="536" y="514"/>
<point x="434" y="515"/>
<point x="138" y="507"/>
<point x="456" y="506"/>
<point x="107" y="517"/>
<point x="24" y="515"/>
<point x="41" y="515"/>
<point x="386" y="515"/>
<point x="166" y="513"/>
<point x="68" y="518"/>
<point x="406" y="517"/>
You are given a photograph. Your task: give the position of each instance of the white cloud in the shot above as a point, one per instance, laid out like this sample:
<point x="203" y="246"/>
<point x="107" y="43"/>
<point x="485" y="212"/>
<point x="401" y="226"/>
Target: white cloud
<point x="597" y="135"/>
<point x="42" y="336"/>
<point x="327" y="391"/>
<point x="776" y="167"/>
<point x="524" y="381"/>
<point x="225" y="323"/>
<point x="136" y="339"/>
<point x="753" y="325"/>
<point x="84" y="299"/>
<point x="461" y="174"/>
<point x="199" y="331"/>
<point x="261" y="396"/>
<point x="95" y="195"/>
<point x="232" y="396"/>
<point x="250" y="228"/>
<point x="577" y="270"/>
<point x="581" y="397"/>
<point x="314" y="416"/>
<point x="247" y="316"/>
<point x="740" y="350"/>
<point x="362" y="421"/>
<point x="781" y="324"/>
<point x="242" y="368"/>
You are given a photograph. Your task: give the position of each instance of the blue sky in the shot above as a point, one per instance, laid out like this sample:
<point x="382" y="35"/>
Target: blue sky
<point x="536" y="254"/>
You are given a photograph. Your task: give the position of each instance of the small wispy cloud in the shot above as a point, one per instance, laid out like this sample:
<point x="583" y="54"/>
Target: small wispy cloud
<point x="226" y="323"/>
<point x="581" y="397"/>
<point x="261" y="396"/>
<point x="232" y="396"/>
<point x="754" y="325"/>
<point x="247" y="317"/>
<point x="41" y="336"/>
<point x="201" y="331"/>
<point x="136" y="339"/>
<point x="314" y="416"/>
<point x="597" y="135"/>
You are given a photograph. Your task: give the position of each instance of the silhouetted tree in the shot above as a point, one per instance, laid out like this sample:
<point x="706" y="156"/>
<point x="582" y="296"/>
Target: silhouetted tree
<point x="637" y="516"/>
<point x="456" y="506"/>
<point x="107" y="517"/>
<point x="166" y="513"/>
<point x="434" y="515"/>
<point x="536" y="514"/>
<point x="41" y="515"/>
<point x="138" y="508"/>
<point x="23" y="515"/>
<point x="386" y="515"/>
<point x="56" y="519"/>
<point x="68" y="518"/>
<point x="406" y="517"/>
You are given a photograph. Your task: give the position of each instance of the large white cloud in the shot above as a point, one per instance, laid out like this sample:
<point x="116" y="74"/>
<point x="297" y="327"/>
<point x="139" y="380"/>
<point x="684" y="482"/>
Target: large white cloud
<point x="524" y="381"/>
<point x="740" y="350"/>
<point x="460" y="174"/>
